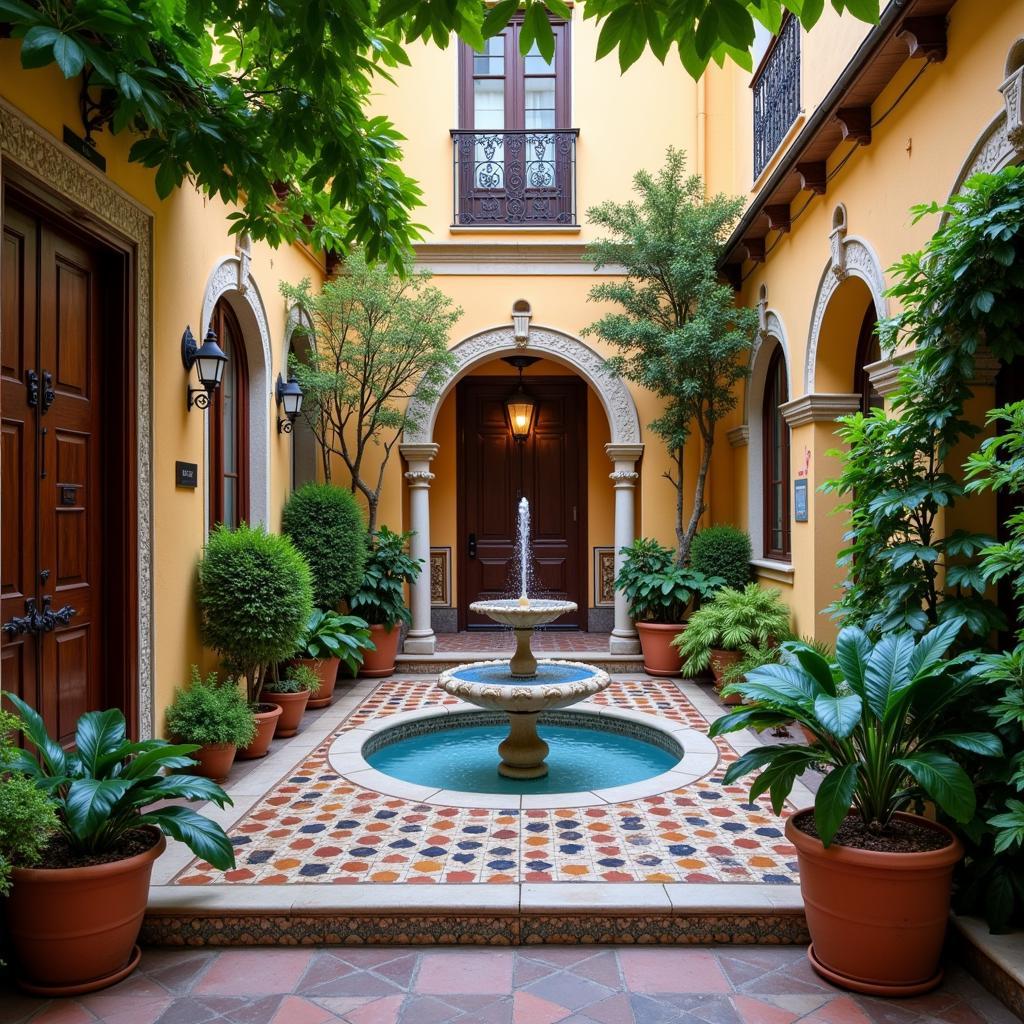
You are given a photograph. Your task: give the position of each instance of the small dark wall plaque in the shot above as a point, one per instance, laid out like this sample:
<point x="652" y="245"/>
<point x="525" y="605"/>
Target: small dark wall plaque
<point x="186" y="474"/>
<point x="800" y="500"/>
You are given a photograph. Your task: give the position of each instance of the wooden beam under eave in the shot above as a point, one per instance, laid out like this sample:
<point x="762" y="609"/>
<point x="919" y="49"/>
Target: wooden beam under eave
<point x="733" y="273"/>
<point x="755" y="249"/>
<point x="855" y="123"/>
<point x="925" y="37"/>
<point x="813" y="177"/>
<point x="778" y="217"/>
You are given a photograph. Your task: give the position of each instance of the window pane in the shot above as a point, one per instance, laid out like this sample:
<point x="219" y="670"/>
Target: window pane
<point x="491" y="59"/>
<point x="229" y="413"/>
<point x="535" y="64"/>
<point x="489" y="104"/>
<point x="540" y="103"/>
<point x="230" y="502"/>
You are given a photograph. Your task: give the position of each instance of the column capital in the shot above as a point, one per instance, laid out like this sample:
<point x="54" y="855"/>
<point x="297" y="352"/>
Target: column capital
<point x="819" y="408"/>
<point x="739" y="436"/>
<point x="885" y="373"/>
<point x="419" y="478"/>
<point x="419" y="452"/>
<point x="624" y="452"/>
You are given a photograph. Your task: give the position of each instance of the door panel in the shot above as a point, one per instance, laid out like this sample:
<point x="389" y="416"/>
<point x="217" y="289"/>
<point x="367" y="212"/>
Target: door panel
<point x="549" y="469"/>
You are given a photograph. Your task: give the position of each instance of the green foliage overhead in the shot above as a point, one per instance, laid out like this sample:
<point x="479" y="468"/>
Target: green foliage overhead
<point x="255" y="597"/>
<point x="330" y="635"/>
<point x="656" y="586"/>
<point x="107" y="788"/>
<point x="381" y="598"/>
<point x="210" y="711"/>
<point x="237" y="96"/>
<point x="733" y="620"/>
<point x="881" y="714"/>
<point x="376" y="339"/>
<point x="328" y="527"/>
<point x="724" y="551"/>
<point x="678" y="329"/>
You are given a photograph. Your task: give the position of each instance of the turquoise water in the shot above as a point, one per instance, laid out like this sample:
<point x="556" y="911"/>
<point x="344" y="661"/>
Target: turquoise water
<point x="500" y="674"/>
<point x="467" y="759"/>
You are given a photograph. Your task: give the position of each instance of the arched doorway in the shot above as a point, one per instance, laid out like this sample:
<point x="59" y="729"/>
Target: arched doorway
<point x="305" y="449"/>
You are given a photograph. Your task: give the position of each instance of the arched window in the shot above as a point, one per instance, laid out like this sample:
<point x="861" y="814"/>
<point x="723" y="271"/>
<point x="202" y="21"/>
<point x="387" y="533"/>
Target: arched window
<point x="868" y="351"/>
<point x="229" y="426"/>
<point x="775" y="440"/>
<point x="305" y="449"/>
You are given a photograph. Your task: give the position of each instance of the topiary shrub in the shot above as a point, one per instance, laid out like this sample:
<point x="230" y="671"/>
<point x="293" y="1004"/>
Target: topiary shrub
<point x="210" y="711"/>
<point x="723" y="551"/>
<point x="327" y="525"/>
<point x="255" y="594"/>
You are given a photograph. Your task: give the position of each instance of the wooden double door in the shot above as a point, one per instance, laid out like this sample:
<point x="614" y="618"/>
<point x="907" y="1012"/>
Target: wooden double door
<point x="549" y="469"/>
<point x="62" y="588"/>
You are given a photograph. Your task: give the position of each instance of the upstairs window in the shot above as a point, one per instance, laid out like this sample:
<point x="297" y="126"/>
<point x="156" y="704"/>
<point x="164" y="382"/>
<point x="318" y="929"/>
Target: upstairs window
<point x="776" y="87"/>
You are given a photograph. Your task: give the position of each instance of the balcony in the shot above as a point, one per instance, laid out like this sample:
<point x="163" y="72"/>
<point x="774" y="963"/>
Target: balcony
<point x="514" y="179"/>
<point x="776" y="87"/>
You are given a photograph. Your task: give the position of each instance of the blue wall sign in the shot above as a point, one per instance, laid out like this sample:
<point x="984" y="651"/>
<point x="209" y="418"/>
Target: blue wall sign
<point x="800" y="500"/>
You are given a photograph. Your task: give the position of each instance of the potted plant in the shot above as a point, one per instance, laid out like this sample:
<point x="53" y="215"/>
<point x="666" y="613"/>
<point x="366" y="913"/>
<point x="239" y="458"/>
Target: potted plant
<point x="659" y="591"/>
<point x="381" y="598"/>
<point x="331" y="641"/>
<point x="328" y="527"/>
<point x="216" y="716"/>
<point x="733" y="620"/>
<point x="255" y="596"/>
<point x="290" y="693"/>
<point x="74" y="917"/>
<point x="725" y="551"/>
<point x="875" y="878"/>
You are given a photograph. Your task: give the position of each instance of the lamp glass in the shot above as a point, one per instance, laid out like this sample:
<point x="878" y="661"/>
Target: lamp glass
<point x="291" y="399"/>
<point x="520" y="409"/>
<point x="210" y="362"/>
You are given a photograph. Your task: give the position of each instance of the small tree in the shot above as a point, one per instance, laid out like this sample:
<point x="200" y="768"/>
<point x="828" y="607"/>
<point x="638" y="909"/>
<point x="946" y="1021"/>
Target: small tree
<point x="680" y="333"/>
<point x="378" y="338"/>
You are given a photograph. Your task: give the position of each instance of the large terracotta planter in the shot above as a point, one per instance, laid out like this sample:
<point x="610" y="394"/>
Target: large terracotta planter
<point x="326" y="670"/>
<point x="74" y="929"/>
<point x="660" y="657"/>
<point x="266" y="722"/>
<point x="877" y="920"/>
<point x="381" y="662"/>
<point x="215" y="760"/>
<point x="292" y="706"/>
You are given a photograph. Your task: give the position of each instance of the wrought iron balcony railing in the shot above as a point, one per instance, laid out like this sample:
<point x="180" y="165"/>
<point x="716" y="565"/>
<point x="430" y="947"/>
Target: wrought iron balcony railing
<point x="776" y="87"/>
<point x="519" y="178"/>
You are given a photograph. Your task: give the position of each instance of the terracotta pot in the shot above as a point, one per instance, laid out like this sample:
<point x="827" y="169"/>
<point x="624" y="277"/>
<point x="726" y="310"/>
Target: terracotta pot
<point x="266" y="716"/>
<point x="721" y="662"/>
<point x="327" y="672"/>
<point x="74" y="929"/>
<point x="381" y="662"/>
<point x="660" y="657"/>
<point x="292" y="706"/>
<point x="877" y="920"/>
<point x="215" y="760"/>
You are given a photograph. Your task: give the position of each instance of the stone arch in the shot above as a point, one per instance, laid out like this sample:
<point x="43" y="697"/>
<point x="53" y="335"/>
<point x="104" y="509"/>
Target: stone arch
<point x="563" y="348"/>
<point x="851" y="257"/>
<point x="230" y="280"/>
<point x="305" y="457"/>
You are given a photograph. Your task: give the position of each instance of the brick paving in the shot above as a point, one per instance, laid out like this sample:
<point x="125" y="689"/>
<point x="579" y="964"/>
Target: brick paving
<point x="316" y="826"/>
<point x="497" y="640"/>
<point x="536" y="985"/>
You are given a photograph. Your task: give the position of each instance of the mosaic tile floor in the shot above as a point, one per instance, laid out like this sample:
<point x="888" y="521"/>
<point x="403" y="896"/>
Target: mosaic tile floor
<point x="503" y="640"/>
<point x="539" y="985"/>
<point x="317" y="827"/>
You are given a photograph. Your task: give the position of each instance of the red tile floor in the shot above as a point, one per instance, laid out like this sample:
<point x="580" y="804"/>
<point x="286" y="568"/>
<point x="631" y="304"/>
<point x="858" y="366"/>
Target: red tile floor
<point x="533" y="985"/>
<point x="493" y="641"/>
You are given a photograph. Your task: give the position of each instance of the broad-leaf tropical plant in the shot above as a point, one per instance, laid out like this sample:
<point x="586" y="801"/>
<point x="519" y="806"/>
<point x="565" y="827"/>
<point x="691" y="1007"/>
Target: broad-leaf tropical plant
<point x="880" y="713"/>
<point x="107" y="787"/>
<point x="657" y="588"/>
<point x="381" y="598"/>
<point x="332" y="635"/>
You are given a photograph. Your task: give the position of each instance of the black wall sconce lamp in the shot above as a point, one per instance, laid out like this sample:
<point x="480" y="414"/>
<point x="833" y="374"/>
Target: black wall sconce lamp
<point x="289" y="401"/>
<point x="209" y="360"/>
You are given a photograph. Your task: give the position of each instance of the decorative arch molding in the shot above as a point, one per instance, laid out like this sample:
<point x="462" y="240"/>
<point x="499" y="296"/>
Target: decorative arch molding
<point x="297" y="317"/>
<point x="544" y="341"/>
<point x="230" y="280"/>
<point x="305" y="458"/>
<point x="851" y="257"/>
<point x="772" y="333"/>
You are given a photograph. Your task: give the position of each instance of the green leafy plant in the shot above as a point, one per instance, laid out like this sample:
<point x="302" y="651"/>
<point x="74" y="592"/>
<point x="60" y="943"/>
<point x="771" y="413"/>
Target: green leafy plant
<point x="880" y="712"/>
<point x="327" y="526"/>
<point x="211" y="711"/>
<point x="381" y="598"/>
<point x="27" y="816"/>
<point x="733" y="620"/>
<point x="296" y="679"/>
<point x="380" y="338"/>
<point x="255" y="597"/>
<point x="108" y="787"/>
<point x="657" y="588"/>
<point x="724" y="551"/>
<point x="769" y="654"/>
<point x="677" y="326"/>
<point x="330" y="635"/>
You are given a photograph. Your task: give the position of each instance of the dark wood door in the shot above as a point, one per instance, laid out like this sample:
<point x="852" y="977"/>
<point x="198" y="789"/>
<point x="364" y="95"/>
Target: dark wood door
<point x="52" y="468"/>
<point x="549" y="469"/>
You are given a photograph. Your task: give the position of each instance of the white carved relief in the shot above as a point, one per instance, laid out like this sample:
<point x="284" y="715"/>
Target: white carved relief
<point x="27" y="146"/>
<point x="243" y="250"/>
<point x="837" y="242"/>
<point x="613" y="393"/>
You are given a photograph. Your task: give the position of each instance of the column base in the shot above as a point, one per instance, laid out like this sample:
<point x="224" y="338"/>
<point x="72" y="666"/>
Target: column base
<point x="420" y="643"/>
<point x="624" y="643"/>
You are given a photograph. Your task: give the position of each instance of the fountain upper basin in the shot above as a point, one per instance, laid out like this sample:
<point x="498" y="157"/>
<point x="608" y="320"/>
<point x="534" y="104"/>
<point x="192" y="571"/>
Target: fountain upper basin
<point x="510" y="612"/>
<point x="557" y="684"/>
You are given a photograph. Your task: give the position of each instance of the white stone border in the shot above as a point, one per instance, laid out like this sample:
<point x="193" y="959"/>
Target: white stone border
<point x="700" y="758"/>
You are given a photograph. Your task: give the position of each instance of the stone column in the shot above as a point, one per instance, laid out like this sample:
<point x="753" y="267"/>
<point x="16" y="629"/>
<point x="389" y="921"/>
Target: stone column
<point x="420" y="638"/>
<point x="624" y="639"/>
